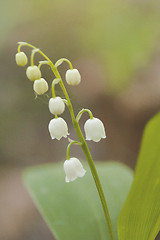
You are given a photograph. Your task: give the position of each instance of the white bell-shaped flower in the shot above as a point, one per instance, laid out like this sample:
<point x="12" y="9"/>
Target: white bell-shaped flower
<point x="21" y="59"/>
<point x="40" y="86"/>
<point x="73" y="77"/>
<point x="56" y="105"/>
<point x="58" y="128"/>
<point x="73" y="169"/>
<point x="94" y="130"/>
<point x="33" y="73"/>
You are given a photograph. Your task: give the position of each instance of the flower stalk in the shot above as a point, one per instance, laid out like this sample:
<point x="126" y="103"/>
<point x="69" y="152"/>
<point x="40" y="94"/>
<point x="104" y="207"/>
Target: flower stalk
<point x="75" y="121"/>
<point x="69" y="146"/>
<point x="81" y="112"/>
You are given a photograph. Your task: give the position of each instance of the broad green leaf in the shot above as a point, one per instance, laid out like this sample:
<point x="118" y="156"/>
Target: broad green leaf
<point x="140" y="216"/>
<point x="73" y="210"/>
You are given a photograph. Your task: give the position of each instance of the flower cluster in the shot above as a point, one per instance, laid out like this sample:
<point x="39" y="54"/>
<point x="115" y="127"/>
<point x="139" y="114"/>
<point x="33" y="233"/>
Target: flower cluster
<point x="93" y="127"/>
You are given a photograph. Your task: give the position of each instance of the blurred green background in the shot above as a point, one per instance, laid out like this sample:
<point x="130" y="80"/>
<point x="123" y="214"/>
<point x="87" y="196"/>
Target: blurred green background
<point x="115" y="46"/>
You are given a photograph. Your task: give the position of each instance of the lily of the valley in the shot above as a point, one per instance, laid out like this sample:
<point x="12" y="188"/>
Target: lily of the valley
<point x="40" y="86"/>
<point x="33" y="73"/>
<point x="21" y="59"/>
<point x="73" y="169"/>
<point x="73" y="77"/>
<point x="94" y="129"/>
<point x="58" y="128"/>
<point x="56" y="105"/>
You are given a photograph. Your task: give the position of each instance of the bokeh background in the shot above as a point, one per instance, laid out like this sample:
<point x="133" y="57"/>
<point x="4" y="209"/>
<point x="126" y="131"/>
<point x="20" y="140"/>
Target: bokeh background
<point x="115" y="44"/>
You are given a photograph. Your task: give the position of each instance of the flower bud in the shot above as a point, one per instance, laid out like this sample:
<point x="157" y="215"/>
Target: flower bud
<point x="21" y="59"/>
<point x="58" y="128"/>
<point x="56" y="105"/>
<point x="73" y="169"/>
<point x="40" y="86"/>
<point x="33" y="73"/>
<point x="73" y="77"/>
<point x="94" y="129"/>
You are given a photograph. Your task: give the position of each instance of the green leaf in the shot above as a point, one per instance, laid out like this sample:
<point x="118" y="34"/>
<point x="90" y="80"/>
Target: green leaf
<point x="73" y="210"/>
<point x="140" y="216"/>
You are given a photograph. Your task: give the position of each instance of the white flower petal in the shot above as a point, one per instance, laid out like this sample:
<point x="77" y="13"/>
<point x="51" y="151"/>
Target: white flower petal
<point x="73" y="77"/>
<point x="40" y="86"/>
<point x="56" y="105"/>
<point x="21" y="59"/>
<point x="73" y="169"/>
<point x="58" y="128"/>
<point x="94" y="130"/>
<point x="33" y="73"/>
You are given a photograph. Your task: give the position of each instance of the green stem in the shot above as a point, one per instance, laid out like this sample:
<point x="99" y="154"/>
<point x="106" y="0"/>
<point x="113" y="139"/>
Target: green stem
<point x="83" y="145"/>
<point x="69" y="146"/>
<point x="42" y="63"/>
<point x="81" y="112"/>
<point x="63" y="60"/>
<point x="54" y="82"/>
<point x="53" y="90"/>
<point x="19" y="48"/>
<point x="32" y="55"/>
<point x="32" y="58"/>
